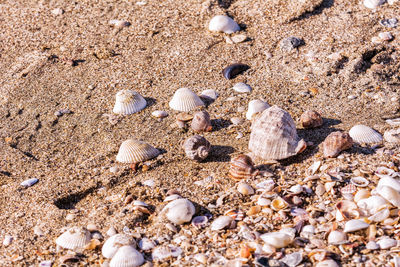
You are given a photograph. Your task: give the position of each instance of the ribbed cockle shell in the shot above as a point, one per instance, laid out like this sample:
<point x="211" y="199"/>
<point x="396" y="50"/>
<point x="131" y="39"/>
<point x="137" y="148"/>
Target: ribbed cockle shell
<point x="197" y="147"/>
<point x="201" y="122"/>
<point x="242" y="167"/>
<point x="128" y="102"/>
<point x="73" y="238"/>
<point x="311" y="119"/>
<point x="335" y="143"/>
<point x="185" y="100"/>
<point x="134" y="151"/>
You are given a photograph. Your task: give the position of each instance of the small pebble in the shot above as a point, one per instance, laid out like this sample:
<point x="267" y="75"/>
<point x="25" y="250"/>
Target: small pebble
<point x="57" y="11"/>
<point x="290" y="43"/>
<point x="7" y="240"/>
<point x="114" y="169"/>
<point x="389" y="23"/>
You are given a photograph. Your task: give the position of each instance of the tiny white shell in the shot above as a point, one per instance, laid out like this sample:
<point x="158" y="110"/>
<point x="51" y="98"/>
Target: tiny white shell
<point x="116" y="241"/>
<point x="296" y="189"/>
<point x="364" y="134"/>
<point x="256" y="106"/>
<point x="355" y="225"/>
<point x="139" y="203"/>
<point x="134" y="151"/>
<point x="386" y="243"/>
<point x="263" y="202"/>
<point x="242" y="88"/>
<point x="159" y="114"/>
<point x="185" y="100"/>
<point x="29" y="182"/>
<point x="73" y="238"/>
<point x="202" y="258"/>
<point x="221" y="223"/>
<point x="7" y="240"/>
<point x="146" y="244"/>
<point x="277" y="239"/>
<point x="128" y="102"/>
<point x="222" y="23"/>
<point x="372" y="4"/>
<point x="359" y="181"/>
<point x="209" y="94"/>
<point x="127" y="256"/>
<point x="336" y="237"/>
<point x="179" y="211"/>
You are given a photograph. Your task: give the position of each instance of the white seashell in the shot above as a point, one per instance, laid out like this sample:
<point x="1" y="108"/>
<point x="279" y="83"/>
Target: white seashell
<point x="355" y="225"/>
<point x="359" y="181"/>
<point x="221" y="222"/>
<point x="256" y="106"/>
<point x="385" y="36"/>
<point x="386" y="243"/>
<point x="146" y="244"/>
<point x="139" y="203"/>
<point x="179" y="211"/>
<point x="128" y="102"/>
<point x="389" y="194"/>
<point x="111" y="231"/>
<point x="222" y="23"/>
<point x="163" y="252"/>
<point x="373" y="204"/>
<point x="185" y="100"/>
<point x="314" y="167"/>
<point x="296" y="189"/>
<point x="372" y="245"/>
<point x="293" y="259"/>
<point x="29" y="182"/>
<point x="242" y="88"/>
<point x="365" y="134"/>
<point x="172" y="197"/>
<point x="266" y="185"/>
<point x="392" y="136"/>
<point x="263" y="202"/>
<point x="8" y="239"/>
<point x="380" y="215"/>
<point x="336" y="238"/>
<point x="127" y="256"/>
<point x="159" y="114"/>
<point x="134" y="151"/>
<point x="277" y="239"/>
<point x="116" y="241"/>
<point x="308" y="228"/>
<point x="327" y="263"/>
<point x="389" y="181"/>
<point x="209" y="94"/>
<point x="245" y="189"/>
<point x="73" y="238"/>
<point x="202" y="258"/>
<point x="394" y="122"/>
<point x="119" y="23"/>
<point x="373" y="3"/>
<point x="361" y="194"/>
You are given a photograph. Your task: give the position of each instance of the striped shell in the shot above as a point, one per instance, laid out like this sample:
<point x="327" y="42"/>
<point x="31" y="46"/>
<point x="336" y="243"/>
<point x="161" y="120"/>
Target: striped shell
<point x="365" y="134"/>
<point x="255" y="106"/>
<point x="73" y="238"/>
<point x="274" y="136"/>
<point x="201" y="122"/>
<point x="128" y="102"/>
<point x="311" y="119"/>
<point x="127" y="256"/>
<point x="242" y="167"/>
<point x="335" y="143"/>
<point x="112" y="244"/>
<point x="222" y="23"/>
<point x="185" y="100"/>
<point x="134" y="151"/>
<point x="197" y="147"/>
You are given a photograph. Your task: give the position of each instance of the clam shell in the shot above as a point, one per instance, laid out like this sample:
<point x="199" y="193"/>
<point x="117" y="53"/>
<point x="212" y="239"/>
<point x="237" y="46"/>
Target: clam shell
<point x="389" y="181"/>
<point x="277" y="239"/>
<point x="242" y="88"/>
<point x="255" y="107"/>
<point x="392" y="136"/>
<point x="245" y="189"/>
<point x="242" y="167"/>
<point x="355" y="225"/>
<point x="365" y="134"/>
<point x="29" y="182"/>
<point x="386" y="243"/>
<point x="201" y="122"/>
<point x="278" y="204"/>
<point x="336" y="238"/>
<point x="134" y="151"/>
<point x="127" y="256"/>
<point x="373" y="3"/>
<point x="222" y="23"/>
<point x="116" y="241"/>
<point x="311" y="119"/>
<point x="389" y="194"/>
<point x="128" y="102"/>
<point x="380" y="215"/>
<point x="359" y="181"/>
<point x="335" y="143"/>
<point x="197" y="147"/>
<point x="73" y="238"/>
<point x="179" y="211"/>
<point x="274" y="136"/>
<point x="185" y="100"/>
<point x="199" y="221"/>
<point x="221" y="222"/>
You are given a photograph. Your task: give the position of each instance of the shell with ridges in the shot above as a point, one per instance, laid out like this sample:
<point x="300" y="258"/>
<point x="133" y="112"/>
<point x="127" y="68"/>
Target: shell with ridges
<point x="274" y="136"/>
<point x="128" y="102"/>
<point x="201" y="122"/>
<point x="112" y="244"/>
<point x="134" y="151"/>
<point x="255" y="107"/>
<point x="127" y="256"/>
<point x="364" y="134"/>
<point x="311" y="119"/>
<point x="196" y="147"/>
<point x="185" y="100"/>
<point x="73" y="238"/>
<point x="222" y="23"/>
<point x="335" y="143"/>
<point x="242" y="167"/>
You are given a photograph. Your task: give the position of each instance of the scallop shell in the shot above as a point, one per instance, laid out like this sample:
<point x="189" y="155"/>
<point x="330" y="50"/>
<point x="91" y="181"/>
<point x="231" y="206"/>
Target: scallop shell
<point x="365" y="134"/>
<point x="179" y="211"/>
<point x="273" y="135"/>
<point x="335" y="143"/>
<point x="222" y="23"/>
<point x="221" y="222"/>
<point x="336" y="238"/>
<point x="134" y="151"/>
<point x="277" y="239"/>
<point x="128" y="102"/>
<point x="201" y="122"/>
<point x="359" y="181"/>
<point x="389" y="194"/>
<point x="311" y="119"/>
<point x="373" y="3"/>
<point x="127" y="256"/>
<point x="185" y="100"/>
<point x="255" y="107"/>
<point x="73" y="238"/>
<point x="242" y="167"/>
<point x="116" y="241"/>
<point x="242" y="88"/>
<point x="355" y="225"/>
<point x="392" y="136"/>
<point x="196" y="147"/>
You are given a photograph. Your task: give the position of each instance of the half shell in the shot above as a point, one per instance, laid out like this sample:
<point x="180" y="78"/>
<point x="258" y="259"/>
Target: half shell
<point x="112" y="244"/>
<point x="365" y="134"/>
<point x="359" y="181"/>
<point x="73" y="238"/>
<point x="179" y="211"/>
<point x="355" y="225"/>
<point x="277" y="239"/>
<point x="185" y="100"/>
<point x="222" y="23"/>
<point x="255" y="107"/>
<point x="128" y="102"/>
<point x="134" y="151"/>
<point x="127" y="256"/>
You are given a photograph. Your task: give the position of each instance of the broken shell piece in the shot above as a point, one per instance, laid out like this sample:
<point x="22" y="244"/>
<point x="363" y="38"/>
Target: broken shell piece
<point x="179" y="211"/>
<point x="163" y="252"/>
<point x="365" y="134"/>
<point x="221" y="223"/>
<point x="255" y="107"/>
<point x="185" y="100"/>
<point x="292" y="259"/>
<point x="389" y="181"/>
<point x="201" y="122"/>
<point x="335" y="143"/>
<point x="222" y="23"/>
<point x="311" y="119"/>
<point x="128" y="102"/>
<point x="116" y="241"/>
<point x="146" y="244"/>
<point x="385" y="36"/>
<point x="73" y="238"/>
<point x="242" y="167"/>
<point x="355" y="225"/>
<point x="387" y="243"/>
<point x="197" y="147"/>
<point x="380" y="215"/>
<point x="127" y="256"/>
<point x="359" y="181"/>
<point x="389" y="194"/>
<point x="348" y="209"/>
<point x="336" y="238"/>
<point x="373" y="204"/>
<point x="134" y="151"/>
<point x="277" y="239"/>
<point x="279" y="204"/>
<point x="392" y="136"/>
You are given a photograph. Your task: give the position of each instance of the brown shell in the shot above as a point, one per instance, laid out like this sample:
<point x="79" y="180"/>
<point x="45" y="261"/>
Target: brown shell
<point x="335" y="143"/>
<point x="274" y="136"/>
<point x="197" y="147"/>
<point x="242" y="167"/>
<point x="311" y="119"/>
<point x="201" y="122"/>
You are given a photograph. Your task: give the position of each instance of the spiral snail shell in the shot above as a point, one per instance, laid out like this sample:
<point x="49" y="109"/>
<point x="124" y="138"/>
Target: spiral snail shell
<point x="201" y="122"/>
<point x="197" y="147"/>
<point x="311" y="119"/>
<point x="242" y="167"/>
<point x="335" y="143"/>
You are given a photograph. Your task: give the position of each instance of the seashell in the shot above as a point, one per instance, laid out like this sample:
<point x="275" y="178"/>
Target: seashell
<point x="290" y="43"/>
<point x="8" y="239"/>
<point x="365" y="134"/>
<point x="242" y="88"/>
<point x="348" y="189"/>
<point x="116" y="241"/>
<point x="337" y="238"/>
<point x="163" y="252"/>
<point x="380" y="215"/>
<point x="263" y="201"/>
<point x="355" y="225"/>
<point x="390" y="23"/>
<point x="373" y="3"/>
<point x="134" y="151"/>
<point x="311" y="119"/>
<point x="393" y="122"/>
<point x="348" y="209"/>
<point x="359" y="181"/>
<point x="119" y="23"/>
<point x="384" y="171"/>
<point x="73" y="238"/>
<point x="237" y="215"/>
<point x="179" y="211"/>
<point x="266" y="185"/>
<point x="221" y="222"/>
<point x="201" y="122"/>
<point x="293" y="259"/>
<point x="172" y="197"/>
<point x="196" y="147"/>
<point x="29" y="182"/>
<point x="361" y="194"/>
<point x="372" y="204"/>
<point x="185" y="100"/>
<point x="255" y="107"/>
<point x="200" y="221"/>
<point x="387" y="243"/>
<point x="201" y="258"/>
<point x="372" y="245"/>
<point x="307" y="231"/>
<point x="327" y="263"/>
<point x="296" y="189"/>
<point x="146" y="244"/>
<point x="209" y="94"/>
<point x="242" y="167"/>
<point x="237" y="120"/>
<point x="392" y="136"/>
<point x="273" y="135"/>
<point x="389" y="194"/>
<point x="389" y="181"/>
<point x="277" y="239"/>
<point x="385" y="36"/>
<point x="128" y="102"/>
<point x="222" y="23"/>
<point x="245" y="189"/>
<point x="111" y="231"/>
<point x="127" y="256"/>
<point x="335" y="143"/>
<point x="159" y="114"/>
<point x="279" y="204"/>
<point x="233" y="70"/>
